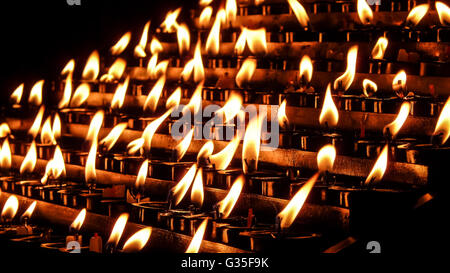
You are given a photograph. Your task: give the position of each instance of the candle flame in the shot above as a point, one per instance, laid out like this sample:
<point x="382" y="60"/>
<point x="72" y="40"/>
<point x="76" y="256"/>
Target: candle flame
<point x="283" y="121"/>
<point x="231" y="11"/>
<point x="365" y="13"/>
<point x="394" y="127"/>
<point x="213" y="40"/>
<point x="174" y="99"/>
<point x="116" y="71"/>
<point x="4" y="130"/>
<point x="254" y="38"/>
<point x="137" y="242"/>
<point x="180" y="189"/>
<point x="94" y="127"/>
<point x="196" y="242"/>
<point x="183" y="146"/>
<point x="369" y="87"/>
<point x="170" y="24"/>
<point x="194" y="66"/>
<point x="205" y="152"/>
<point x="55" y="167"/>
<point x="380" y="48"/>
<point x="306" y="69"/>
<point x="118" y="229"/>
<point x="46" y="133"/>
<point x="142" y="175"/>
<point x="90" y="175"/>
<point x="151" y="129"/>
<point x="34" y="129"/>
<point x="110" y="140"/>
<point x="79" y="220"/>
<point x="443" y="123"/>
<point x="204" y="2"/>
<point x="69" y="68"/>
<point x="443" y="12"/>
<point x="121" y="45"/>
<point x="346" y="79"/>
<point x="16" y="96"/>
<point x="222" y="159"/>
<point x="205" y="17"/>
<point x="290" y="212"/>
<point x="119" y="95"/>
<point x="92" y="67"/>
<point x="65" y="100"/>
<point x="29" y="212"/>
<point x="195" y="103"/>
<point x="29" y="162"/>
<point x="300" y="12"/>
<point x="35" y="97"/>
<point x="416" y="14"/>
<point x="246" y="72"/>
<point x="329" y="114"/>
<point x="232" y="107"/>
<point x="155" y="46"/>
<point x="80" y="95"/>
<point x="251" y="145"/>
<point x="378" y="170"/>
<point x="326" y="157"/>
<point x="399" y="83"/>
<point x="183" y="38"/>
<point x="151" y="103"/>
<point x="5" y="155"/>
<point x="197" y="189"/>
<point x="56" y="127"/>
<point x="228" y="203"/>
<point x="139" y="50"/>
<point x="10" y="208"/>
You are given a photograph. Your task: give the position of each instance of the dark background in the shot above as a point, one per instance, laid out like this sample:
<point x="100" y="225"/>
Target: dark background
<point x="38" y="37"/>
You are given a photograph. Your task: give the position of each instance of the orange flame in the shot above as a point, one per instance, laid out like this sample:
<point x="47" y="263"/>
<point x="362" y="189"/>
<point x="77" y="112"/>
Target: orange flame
<point x="121" y="45"/>
<point x="254" y="38"/>
<point x="34" y="129"/>
<point x="36" y="93"/>
<point x="118" y="228"/>
<point x="380" y="48"/>
<point x="80" y="95"/>
<point x="142" y="175"/>
<point x="116" y="70"/>
<point x="222" y="159"/>
<point x="197" y="189"/>
<point x="251" y="145"/>
<point x="29" y="212"/>
<point x="183" y="146"/>
<point x="5" y="156"/>
<point x="29" y="162"/>
<point x="56" y="127"/>
<point x="174" y="99"/>
<point x="299" y="12"/>
<point x="10" y="208"/>
<point x="346" y="79"/>
<point x="246" y="72"/>
<point x="151" y="129"/>
<point x="205" y="17"/>
<point x="139" y="50"/>
<point x="4" y="130"/>
<point x="78" y="222"/>
<point x="326" y="157"/>
<point x="65" y="100"/>
<point x="369" y="87"/>
<point x="231" y="11"/>
<point x="151" y="103"/>
<point x="290" y="212"/>
<point x="399" y="82"/>
<point x="170" y="24"/>
<point x="212" y="42"/>
<point x="227" y="204"/>
<point x="90" y="175"/>
<point x="232" y="107"/>
<point x="329" y="114"/>
<point x="55" y="167"/>
<point x="119" y="95"/>
<point x="194" y="246"/>
<point x="110" y="140"/>
<point x="155" y="46"/>
<point x="443" y="123"/>
<point x="195" y="65"/>
<point x="179" y="191"/>
<point x="416" y="14"/>
<point x="444" y="13"/>
<point x="137" y="242"/>
<point x="183" y="38"/>
<point x="205" y="152"/>
<point x="394" y="127"/>
<point x="379" y="168"/>
<point x="46" y="133"/>
<point x="95" y="125"/>
<point x="306" y="69"/>
<point x="195" y="103"/>
<point x="92" y="67"/>
<point x="282" y="118"/>
<point x="204" y="2"/>
<point x="68" y="69"/>
<point x="365" y="13"/>
<point x="16" y="96"/>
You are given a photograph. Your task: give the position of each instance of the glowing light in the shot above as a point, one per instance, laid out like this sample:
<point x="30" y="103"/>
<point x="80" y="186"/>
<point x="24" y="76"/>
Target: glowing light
<point x="110" y="140"/>
<point x="121" y="45"/>
<point x="118" y="228"/>
<point x="5" y="156"/>
<point x="282" y="118"/>
<point x="346" y="79"/>
<point x="369" y="87"/>
<point x="16" y="96"/>
<point x="246" y="72"/>
<point x="227" y="204"/>
<point x="183" y="146"/>
<point x="197" y="189"/>
<point x="365" y="13"/>
<point x="443" y="123"/>
<point x="35" y="97"/>
<point x="142" y="175"/>
<point x="380" y="48"/>
<point x="80" y="95"/>
<point x="139" y="50"/>
<point x="10" y="208"/>
<point x="329" y="114"/>
<point x="179" y="191"/>
<point x="151" y="103"/>
<point x="444" y="13"/>
<point x="29" y="162"/>
<point x="379" y="168"/>
<point x="137" y="242"/>
<point x="78" y="222"/>
<point x="92" y="68"/>
<point x="251" y="145"/>
<point x="222" y="159"/>
<point x="183" y="38"/>
<point x="299" y="12"/>
<point x="34" y="129"/>
<point x="326" y="157"/>
<point x="196" y="242"/>
<point x="119" y="95"/>
<point x="416" y="14"/>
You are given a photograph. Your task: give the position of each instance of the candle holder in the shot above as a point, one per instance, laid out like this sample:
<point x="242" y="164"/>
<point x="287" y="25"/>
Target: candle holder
<point x="149" y="212"/>
<point x="168" y="170"/>
<point x="8" y="183"/>
<point x="29" y="188"/>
